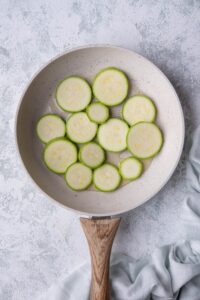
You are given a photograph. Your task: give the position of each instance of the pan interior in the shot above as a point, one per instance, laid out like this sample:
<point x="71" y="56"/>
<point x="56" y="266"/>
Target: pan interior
<point x="144" y="78"/>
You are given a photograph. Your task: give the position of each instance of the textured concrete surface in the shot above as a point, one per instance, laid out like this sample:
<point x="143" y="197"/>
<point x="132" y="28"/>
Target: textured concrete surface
<point x="40" y="241"/>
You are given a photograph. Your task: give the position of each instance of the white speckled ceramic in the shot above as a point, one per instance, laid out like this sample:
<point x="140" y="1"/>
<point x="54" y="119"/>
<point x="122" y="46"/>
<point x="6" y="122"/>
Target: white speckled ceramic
<point x="144" y="77"/>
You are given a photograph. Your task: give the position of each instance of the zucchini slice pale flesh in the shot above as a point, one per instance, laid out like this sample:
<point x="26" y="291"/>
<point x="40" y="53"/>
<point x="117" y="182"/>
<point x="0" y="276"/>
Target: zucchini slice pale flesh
<point x="130" y="168"/>
<point x="106" y="178"/>
<point x="98" y="112"/>
<point x="78" y="176"/>
<point x="59" y="154"/>
<point x="112" y="135"/>
<point x="73" y="94"/>
<point x="92" y="155"/>
<point x="138" y="109"/>
<point x="144" y="140"/>
<point x="50" y="127"/>
<point x="80" y="129"/>
<point x="110" y="86"/>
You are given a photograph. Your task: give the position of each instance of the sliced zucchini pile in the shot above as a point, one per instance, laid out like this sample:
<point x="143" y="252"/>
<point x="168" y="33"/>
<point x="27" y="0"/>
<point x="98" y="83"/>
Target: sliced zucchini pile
<point x="110" y="86"/>
<point x="76" y="148"/>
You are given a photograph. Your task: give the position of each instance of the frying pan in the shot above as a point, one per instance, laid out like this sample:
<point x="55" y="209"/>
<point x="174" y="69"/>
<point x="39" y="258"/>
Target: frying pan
<point x="97" y="207"/>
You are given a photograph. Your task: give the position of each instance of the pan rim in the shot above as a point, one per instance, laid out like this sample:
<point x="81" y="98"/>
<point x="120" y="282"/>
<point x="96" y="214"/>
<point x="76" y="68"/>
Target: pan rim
<point x="84" y="213"/>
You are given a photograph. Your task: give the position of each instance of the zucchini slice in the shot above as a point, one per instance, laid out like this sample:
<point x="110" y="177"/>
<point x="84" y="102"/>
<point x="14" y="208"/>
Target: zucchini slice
<point x="106" y="178"/>
<point x="130" y="168"/>
<point x="92" y="155"/>
<point x="78" y="176"/>
<point x="73" y="94"/>
<point x="80" y="129"/>
<point x="138" y="109"/>
<point x="98" y="112"/>
<point x="50" y="127"/>
<point x="144" y="140"/>
<point x="110" y="86"/>
<point x="59" y="154"/>
<point x="112" y="135"/>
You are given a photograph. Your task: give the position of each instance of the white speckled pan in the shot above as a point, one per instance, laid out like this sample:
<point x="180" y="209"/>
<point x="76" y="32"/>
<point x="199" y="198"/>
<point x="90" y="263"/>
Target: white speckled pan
<point x="144" y="77"/>
<point x="39" y="99"/>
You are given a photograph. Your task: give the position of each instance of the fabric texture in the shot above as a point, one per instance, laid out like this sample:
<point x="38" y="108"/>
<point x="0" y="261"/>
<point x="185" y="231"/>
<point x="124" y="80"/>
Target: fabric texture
<point x="169" y="273"/>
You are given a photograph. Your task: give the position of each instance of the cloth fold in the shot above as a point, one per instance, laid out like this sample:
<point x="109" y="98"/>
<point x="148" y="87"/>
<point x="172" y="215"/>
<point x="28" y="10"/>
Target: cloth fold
<point x="169" y="273"/>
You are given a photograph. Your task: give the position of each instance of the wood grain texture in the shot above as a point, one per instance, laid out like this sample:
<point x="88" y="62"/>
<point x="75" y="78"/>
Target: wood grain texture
<point x="100" y="234"/>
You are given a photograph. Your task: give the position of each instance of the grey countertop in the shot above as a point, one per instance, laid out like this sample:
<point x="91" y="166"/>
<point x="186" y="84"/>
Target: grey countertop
<point x="39" y="241"/>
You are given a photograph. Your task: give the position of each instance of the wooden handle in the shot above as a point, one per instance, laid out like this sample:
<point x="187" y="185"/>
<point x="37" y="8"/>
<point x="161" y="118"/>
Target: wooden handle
<point x="100" y="234"/>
